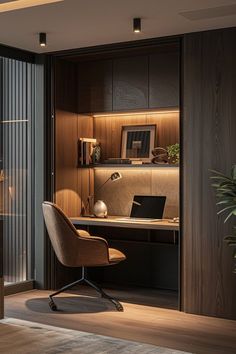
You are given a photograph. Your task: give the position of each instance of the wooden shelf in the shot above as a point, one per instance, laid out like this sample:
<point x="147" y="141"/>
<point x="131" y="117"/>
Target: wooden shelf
<point x="147" y="165"/>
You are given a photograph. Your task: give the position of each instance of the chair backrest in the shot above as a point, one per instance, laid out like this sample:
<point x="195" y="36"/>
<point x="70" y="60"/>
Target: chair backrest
<point x="71" y="249"/>
<point x="62" y="233"/>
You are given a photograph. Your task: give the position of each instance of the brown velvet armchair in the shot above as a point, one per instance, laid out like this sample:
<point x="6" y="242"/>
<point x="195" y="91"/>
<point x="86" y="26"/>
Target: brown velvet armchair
<point x="77" y="248"/>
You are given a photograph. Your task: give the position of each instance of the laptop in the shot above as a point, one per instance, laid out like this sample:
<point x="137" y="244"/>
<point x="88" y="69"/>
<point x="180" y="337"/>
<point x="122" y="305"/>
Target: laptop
<point x="146" y="208"/>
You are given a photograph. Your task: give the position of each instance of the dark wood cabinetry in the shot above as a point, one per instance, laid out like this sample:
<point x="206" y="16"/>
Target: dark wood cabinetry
<point x="95" y="86"/>
<point x="152" y="258"/>
<point x="164" y="80"/>
<point x="209" y="135"/>
<point x="130" y="83"/>
<point x="1" y="270"/>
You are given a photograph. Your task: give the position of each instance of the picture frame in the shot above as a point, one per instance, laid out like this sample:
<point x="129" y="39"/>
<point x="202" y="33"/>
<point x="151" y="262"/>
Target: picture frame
<point x="138" y="141"/>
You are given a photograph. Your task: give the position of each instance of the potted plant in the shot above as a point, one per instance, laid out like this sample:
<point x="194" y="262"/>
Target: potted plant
<point x="173" y="153"/>
<point x="225" y="187"/>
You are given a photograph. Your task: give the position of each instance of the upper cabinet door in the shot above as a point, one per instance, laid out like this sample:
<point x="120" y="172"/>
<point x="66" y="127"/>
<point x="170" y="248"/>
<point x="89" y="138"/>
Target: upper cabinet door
<point x="130" y="83"/>
<point x="164" y="80"/>
<point x="95" y="86"/>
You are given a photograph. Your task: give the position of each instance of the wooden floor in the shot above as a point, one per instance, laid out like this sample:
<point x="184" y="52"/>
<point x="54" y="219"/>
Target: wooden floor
<point x="19" y="337"/>
<point x="147" y="324"/>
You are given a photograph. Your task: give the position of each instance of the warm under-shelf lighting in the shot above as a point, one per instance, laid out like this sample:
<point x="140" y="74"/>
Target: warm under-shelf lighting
<point x="161" y="168"/>
<point x="22" y="4"/>
<point x="135" y="113"/>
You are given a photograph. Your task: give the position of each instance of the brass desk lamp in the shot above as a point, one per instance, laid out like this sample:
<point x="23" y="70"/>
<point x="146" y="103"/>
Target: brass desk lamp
<point x="100" y="208"/>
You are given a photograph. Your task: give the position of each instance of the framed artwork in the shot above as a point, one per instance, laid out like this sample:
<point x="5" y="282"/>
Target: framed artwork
<point x="138" y="141"/>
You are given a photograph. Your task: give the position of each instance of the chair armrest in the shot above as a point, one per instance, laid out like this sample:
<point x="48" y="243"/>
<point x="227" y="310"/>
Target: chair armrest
<point x="86" y="234"/>
<point x="94" y="251"/>
<point x="83" y="233"/>
<point x="99" y="239"/>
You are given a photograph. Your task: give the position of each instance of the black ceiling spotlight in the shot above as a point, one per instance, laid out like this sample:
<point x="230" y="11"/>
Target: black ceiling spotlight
<point x="137" y="25"/>
<point x="42" y="39"/>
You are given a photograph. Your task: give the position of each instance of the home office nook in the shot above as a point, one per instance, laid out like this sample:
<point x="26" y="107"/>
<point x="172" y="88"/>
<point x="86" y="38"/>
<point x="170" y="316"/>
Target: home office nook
<point x="119" y="112"/>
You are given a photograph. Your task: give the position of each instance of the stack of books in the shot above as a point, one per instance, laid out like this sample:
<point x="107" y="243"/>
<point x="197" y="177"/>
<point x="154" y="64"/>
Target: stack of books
<point x="85" y="150"/>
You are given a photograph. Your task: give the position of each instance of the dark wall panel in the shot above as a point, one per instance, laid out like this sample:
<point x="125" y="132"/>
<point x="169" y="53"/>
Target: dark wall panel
<point x="1" y="203"/>
<point x="95" y="86"/>
<point x="130" y="83"/>
<point x="164" y="79"/>
<point x="209" y="136"/>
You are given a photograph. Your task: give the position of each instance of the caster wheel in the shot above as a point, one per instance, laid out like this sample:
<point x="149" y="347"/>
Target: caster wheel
<point x="52" y="305"/>
<point x="119" y="307"/>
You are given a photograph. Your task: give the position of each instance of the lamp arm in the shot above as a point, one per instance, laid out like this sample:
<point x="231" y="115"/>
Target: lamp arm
<point x="103" y="185"/>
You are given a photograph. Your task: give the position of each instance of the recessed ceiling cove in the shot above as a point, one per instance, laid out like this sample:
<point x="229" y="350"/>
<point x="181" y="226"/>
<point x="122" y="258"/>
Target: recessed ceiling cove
<point x="212" y="12"/>
<point x="83" y="23"/>
<point x="12" y="5"/>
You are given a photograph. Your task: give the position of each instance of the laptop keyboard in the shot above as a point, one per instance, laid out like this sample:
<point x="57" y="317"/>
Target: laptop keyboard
<point x="138" y="219"/>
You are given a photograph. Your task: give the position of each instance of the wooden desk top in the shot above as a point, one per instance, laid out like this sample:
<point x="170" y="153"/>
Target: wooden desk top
<point x="114" y="222"/>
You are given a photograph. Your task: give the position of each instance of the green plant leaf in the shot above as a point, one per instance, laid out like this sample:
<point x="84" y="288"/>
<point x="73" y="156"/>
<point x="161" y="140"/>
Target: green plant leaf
<point x="230" y="238"/>
<point x="219" y="174"/>
<point x="230" y="214"/>
<point x="221" y="178"/>
<point x="231" y="244"/>
<point x="233" y="172"/>
<point x="227" y="208"/>
<point x="223" y="202"/>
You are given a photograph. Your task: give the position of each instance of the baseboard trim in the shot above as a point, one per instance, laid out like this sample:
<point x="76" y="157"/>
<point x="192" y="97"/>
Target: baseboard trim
<point x="11" y="289"/>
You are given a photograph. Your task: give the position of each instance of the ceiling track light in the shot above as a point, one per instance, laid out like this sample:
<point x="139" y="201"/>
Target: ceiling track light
<point x="42" y="39"/>
<point x="137" y="25"/>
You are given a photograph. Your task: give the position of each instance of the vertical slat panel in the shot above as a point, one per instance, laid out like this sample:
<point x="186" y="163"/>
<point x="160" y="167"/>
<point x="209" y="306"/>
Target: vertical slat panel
<point x="18" y="113"/>
<point x="209" y="131"/>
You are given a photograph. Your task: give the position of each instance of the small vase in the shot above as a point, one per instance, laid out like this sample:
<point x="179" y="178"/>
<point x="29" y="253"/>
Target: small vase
<point x="100" y="209"/>
<point x="96" y="157"/>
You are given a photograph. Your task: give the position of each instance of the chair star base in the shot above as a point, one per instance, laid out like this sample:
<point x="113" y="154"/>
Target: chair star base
<point x="115" y="302"/>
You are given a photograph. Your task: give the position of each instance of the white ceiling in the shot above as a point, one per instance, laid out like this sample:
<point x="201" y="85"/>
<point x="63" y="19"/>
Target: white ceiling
<point x="81" y="23"/>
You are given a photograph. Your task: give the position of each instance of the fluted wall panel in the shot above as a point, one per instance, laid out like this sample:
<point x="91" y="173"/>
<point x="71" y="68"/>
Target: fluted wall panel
<point x="18" y="109"/>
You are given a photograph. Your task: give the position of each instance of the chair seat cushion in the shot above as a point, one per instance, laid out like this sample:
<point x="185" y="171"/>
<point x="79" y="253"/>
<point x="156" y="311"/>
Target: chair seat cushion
<point x="115" y="256"/>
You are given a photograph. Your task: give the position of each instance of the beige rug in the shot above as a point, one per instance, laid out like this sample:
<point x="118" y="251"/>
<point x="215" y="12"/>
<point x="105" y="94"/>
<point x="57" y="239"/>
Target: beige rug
<point x="23" y="337"/>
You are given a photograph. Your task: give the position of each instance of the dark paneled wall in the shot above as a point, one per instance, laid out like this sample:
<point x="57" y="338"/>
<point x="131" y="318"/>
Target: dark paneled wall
<point x="131" y="82"/>
<point x="72" y="185"/>
<point x="1" y="219"/>
<point x="209" y="136"/>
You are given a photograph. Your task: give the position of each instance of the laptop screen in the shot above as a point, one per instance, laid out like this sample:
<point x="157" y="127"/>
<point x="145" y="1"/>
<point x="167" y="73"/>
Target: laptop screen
<point x="148" y="207"/>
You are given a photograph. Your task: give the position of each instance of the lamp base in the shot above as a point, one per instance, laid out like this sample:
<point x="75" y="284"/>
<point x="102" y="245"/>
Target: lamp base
<point x="88" y="216"/>
<point x="100" y="209"/>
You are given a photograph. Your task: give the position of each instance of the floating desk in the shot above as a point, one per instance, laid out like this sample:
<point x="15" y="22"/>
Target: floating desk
<point x="113" y="221"/>
<point x="152" y="251"/>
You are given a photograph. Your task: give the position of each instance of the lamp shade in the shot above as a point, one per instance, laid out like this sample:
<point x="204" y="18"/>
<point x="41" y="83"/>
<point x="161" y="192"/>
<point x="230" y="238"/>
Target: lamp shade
<point x="115" y="176"/>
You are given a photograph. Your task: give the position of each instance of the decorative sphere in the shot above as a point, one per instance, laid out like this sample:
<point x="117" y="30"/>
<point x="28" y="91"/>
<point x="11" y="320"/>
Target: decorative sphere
<point x="100" y="209"/>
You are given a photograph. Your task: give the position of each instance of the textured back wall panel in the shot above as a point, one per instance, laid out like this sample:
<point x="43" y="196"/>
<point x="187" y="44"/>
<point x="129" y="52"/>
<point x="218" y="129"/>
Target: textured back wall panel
<point x="118" y="195"/>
